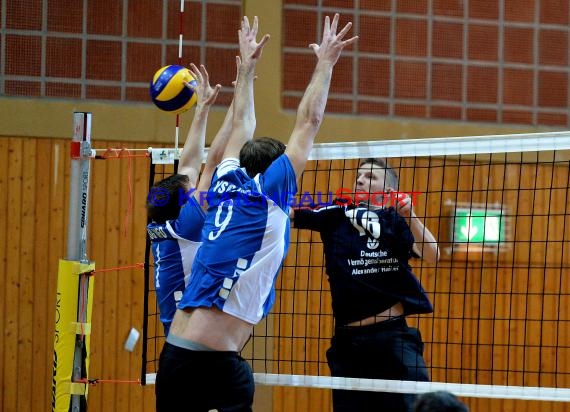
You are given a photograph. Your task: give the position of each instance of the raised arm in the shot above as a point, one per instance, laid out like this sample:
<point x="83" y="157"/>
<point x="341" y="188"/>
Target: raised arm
<point x="312" y="107"/>
<point x="243" y="123"/>
<point x="191" y="157"/>
<point x="217" y="148"/>
<point x="425" y="244"/>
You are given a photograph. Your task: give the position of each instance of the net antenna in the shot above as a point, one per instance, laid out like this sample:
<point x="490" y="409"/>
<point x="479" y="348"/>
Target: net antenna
<point x="180" y="43"/>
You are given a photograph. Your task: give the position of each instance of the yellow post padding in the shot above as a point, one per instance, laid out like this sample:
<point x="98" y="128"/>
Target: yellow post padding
<point x="67" y="330"/>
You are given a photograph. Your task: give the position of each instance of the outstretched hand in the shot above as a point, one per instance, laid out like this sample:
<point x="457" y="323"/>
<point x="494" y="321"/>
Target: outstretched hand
<point x="332" y="44"/>
<point x="238" y="64"/>
<point x="403" y="203"/>
<point x="206" y="94"/>
<point x="250" y="48"/>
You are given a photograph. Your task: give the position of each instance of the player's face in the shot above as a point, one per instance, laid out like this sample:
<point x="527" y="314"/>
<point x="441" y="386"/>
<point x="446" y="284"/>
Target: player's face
<point x="370" y="178"/>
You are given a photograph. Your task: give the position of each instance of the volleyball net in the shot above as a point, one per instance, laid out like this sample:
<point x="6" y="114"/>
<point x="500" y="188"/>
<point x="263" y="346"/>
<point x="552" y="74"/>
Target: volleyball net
<point x="498" y="207"/>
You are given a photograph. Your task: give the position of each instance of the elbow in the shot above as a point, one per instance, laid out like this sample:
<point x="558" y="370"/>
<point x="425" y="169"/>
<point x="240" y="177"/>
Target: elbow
<point x="311" y="123"/>
<point x="430" y="253"/>
<point x="435" y="255"/>
<point x="315" y="120"/>
<point x="310" y="118"/>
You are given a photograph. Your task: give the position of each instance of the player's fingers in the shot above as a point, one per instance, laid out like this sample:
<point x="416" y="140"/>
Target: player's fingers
<point x="255" y="25"/>
<point x="264" y="40"/>
<point x="204" y="73"/>
<point x="344" y="30"/>
<point x="259" y="47"/>
<point x="190" y="86"/>
<point x="196" y="76"/>
<point x="195" y="71"/>
<point x="215" y="92"/>
<point x="349" y="41"/>
<point x="327" y="28"/>
<point x="334" y="23"/>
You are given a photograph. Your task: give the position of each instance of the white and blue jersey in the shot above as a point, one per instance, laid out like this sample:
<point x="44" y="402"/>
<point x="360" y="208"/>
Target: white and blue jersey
<point x="245" y="239"/>
<point x="174" y="245"/>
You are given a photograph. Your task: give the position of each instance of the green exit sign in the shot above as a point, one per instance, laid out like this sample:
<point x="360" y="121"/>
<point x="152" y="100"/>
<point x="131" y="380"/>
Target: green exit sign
<point x="483" y="226"/>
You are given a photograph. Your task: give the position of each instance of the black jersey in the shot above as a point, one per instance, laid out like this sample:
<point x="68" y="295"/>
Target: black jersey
<point x="366" y="256"/>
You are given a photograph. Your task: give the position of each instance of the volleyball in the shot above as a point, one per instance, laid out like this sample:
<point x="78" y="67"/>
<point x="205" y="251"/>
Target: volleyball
<point x="168" y="92"/>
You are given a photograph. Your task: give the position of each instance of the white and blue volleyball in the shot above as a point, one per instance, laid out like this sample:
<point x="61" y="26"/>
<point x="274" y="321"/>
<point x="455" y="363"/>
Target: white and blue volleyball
<point x="168" y="92"/>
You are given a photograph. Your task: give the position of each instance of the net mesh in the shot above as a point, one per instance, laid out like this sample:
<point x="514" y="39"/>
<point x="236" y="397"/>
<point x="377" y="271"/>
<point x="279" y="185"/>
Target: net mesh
<point x="497" y="206"/>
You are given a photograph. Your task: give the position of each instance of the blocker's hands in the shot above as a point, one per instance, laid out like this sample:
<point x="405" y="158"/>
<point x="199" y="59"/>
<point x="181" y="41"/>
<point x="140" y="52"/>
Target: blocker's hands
<point x="250" y="48"/>
<point x="332" y="44"/>
<point x="206" y="94"/>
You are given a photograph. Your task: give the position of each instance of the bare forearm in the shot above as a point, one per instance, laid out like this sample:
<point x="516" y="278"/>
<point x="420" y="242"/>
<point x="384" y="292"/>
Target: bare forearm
<point x="243" y="119"/>
<point x="221" y="139"/>
<point x="215" y="153"/>
<point x="312" y="106"/>
<point x="424" y="240"/>
<point x="310" y="115"/>
<point x="191" y="158"/>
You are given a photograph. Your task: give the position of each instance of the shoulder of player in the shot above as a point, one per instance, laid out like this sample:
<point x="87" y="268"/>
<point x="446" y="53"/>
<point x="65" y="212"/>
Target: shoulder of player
<point x="158" y="231"/>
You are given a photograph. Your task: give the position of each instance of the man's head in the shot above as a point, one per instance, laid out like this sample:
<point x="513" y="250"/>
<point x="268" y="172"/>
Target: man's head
<point x="374" y="175"/>
<point x="256" y="155"/>
<point x="163" y="201"/>
<point x="439" y="401"/>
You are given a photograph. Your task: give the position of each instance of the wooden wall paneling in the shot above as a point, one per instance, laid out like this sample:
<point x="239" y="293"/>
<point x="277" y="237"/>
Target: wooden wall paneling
<point x="56" y="221"/>
<point x="109" y="231"/>
<point x="43" y="306"/>
<point x="118" y="293"/>
<point x="12" y="284"/>
<point x="139" y="395"/>
<point x="140" y="173"/>
<point x="125" y="238"/>
<point x="561" y="357"/>
<point x="26" y="238"/>
<point x="5" y="382"/>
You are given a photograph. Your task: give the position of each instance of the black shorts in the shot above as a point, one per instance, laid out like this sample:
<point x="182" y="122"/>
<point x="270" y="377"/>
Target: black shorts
<point x="385" y="350"/>
<point x="200" y="381"/>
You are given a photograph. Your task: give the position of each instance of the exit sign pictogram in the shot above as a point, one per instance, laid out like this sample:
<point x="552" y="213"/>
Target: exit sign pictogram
<point x="478" y="226"/>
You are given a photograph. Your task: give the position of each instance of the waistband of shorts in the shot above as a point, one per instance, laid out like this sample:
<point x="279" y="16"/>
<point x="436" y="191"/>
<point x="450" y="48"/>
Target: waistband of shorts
<point x="187" y="344"/>
<point x="388" y="324"/>
<point x="182" y="351"/>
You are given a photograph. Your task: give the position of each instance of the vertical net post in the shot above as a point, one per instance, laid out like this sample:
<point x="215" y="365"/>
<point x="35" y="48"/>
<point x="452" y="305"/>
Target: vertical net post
<point x="74" y="286"/>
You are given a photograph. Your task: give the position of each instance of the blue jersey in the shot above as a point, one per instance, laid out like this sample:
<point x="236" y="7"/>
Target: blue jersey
<point x="174" y="245"/>
<point x="245" y="239"/>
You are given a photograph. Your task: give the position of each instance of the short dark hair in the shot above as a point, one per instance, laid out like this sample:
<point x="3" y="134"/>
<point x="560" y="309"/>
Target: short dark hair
<point x="163" y="201"/>
<point x="390" y="175"/>
<point x="439" y="401"/>
<point x="257" y="154"/>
